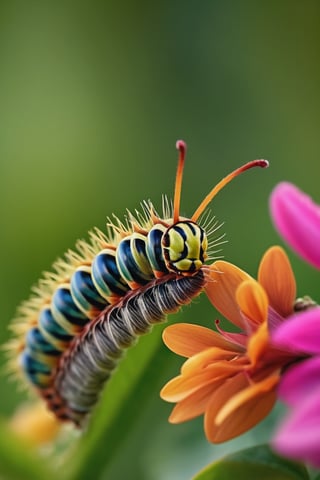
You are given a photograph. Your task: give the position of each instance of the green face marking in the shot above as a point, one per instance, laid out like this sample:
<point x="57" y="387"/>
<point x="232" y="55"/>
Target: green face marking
<point x="184" y="247"/>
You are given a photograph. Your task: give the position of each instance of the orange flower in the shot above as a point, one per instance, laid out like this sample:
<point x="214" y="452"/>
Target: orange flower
<point x="35" y="424"/>
<point x="231" y="378"/>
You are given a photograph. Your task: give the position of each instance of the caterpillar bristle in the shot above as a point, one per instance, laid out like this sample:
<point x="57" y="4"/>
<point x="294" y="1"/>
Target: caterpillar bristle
<point x="167" y="207"/>
<point x="14" y="345"/>
<point x="98" y="238"/>
<point x="12" y="368"/>
<point x="21" y="326"/>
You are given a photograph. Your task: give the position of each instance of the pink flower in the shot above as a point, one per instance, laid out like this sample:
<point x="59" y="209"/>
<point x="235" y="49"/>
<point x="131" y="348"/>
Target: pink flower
<point x="297" y="219"/>
<point x="299" y="435"/>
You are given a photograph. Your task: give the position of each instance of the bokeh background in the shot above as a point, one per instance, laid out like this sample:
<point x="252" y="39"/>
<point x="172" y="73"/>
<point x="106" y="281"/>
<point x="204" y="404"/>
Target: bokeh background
<point x="93" y="96"/>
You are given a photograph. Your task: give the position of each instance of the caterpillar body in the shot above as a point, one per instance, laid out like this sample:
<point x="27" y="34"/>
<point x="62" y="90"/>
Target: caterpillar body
<point x="94" y="355"/>
<point x="101" y="297"/>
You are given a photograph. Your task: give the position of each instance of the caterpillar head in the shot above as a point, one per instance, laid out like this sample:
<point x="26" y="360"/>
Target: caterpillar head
<point x="184" y="247"/>
<point x="184" y="243"/>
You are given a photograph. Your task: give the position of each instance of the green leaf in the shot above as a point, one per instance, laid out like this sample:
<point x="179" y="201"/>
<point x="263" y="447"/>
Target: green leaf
<point x="122" y="402"/>
<point x="18" y="461"/>
<point x="254" y="463"/>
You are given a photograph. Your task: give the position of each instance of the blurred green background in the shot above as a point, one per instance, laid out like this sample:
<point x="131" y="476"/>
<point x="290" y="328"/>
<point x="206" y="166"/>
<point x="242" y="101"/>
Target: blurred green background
<point x="93" y="96"/>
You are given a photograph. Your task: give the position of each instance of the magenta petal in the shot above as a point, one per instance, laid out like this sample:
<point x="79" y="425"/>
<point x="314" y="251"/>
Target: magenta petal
<point x="299" y="435"/>
<point x="274" y="319"/>
<point x="299" y="381"/>
<point x="297" y="218"/>
<point x="300" y="332"/>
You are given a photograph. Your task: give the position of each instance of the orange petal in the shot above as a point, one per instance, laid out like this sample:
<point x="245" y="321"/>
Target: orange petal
<point x="184" y="385"/>
<point x="204" y="359"/>
<point x="242" y="398"/>
<point x="224" y="280"/>
<point x="258" y="344"/>
<point x="194" y="405"/>
<point x="186" y="339"/>
<point x="253" y="301"/>
<point x="236" y="407"/>
<point x="250" y="405"/>
<point x="276" y="276"/>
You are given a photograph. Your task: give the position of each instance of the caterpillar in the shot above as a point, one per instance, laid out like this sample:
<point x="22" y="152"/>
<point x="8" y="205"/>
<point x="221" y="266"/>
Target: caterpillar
<point x="101" y="296"/>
